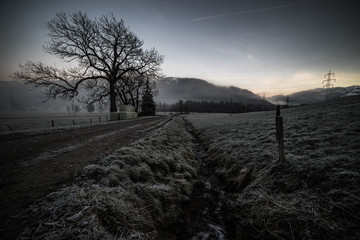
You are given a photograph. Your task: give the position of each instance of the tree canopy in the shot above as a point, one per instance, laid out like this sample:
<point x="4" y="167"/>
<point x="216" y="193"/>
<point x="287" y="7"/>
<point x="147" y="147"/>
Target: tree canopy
<point x="112" y="65"/>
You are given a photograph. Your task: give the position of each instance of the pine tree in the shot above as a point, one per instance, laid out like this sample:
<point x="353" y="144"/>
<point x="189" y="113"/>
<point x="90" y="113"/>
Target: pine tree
<point x="147" y="96"/>
<point x="148" y="104"/>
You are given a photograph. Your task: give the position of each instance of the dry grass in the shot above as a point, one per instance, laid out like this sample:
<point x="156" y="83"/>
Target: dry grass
<point x="135" y="193"/>
<point x="314" y="194"/>
<point x="131" y="194"/>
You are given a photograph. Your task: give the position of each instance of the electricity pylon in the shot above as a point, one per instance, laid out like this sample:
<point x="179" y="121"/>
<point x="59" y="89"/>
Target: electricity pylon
<point x="327" y="82"/>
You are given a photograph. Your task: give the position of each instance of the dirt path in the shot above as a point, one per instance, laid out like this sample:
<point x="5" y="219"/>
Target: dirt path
<point x="33" y="164"/>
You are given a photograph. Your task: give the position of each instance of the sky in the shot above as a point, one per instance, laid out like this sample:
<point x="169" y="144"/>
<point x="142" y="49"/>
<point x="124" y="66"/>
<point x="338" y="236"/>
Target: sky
<point x="266" y="46"/>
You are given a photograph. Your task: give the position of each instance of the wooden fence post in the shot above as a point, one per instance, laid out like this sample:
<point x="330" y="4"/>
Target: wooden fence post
<point x="73" y="122"/>
<point x="99" y="118"/>
<point x="280" y="134"/>
<point x="52" y="123"/>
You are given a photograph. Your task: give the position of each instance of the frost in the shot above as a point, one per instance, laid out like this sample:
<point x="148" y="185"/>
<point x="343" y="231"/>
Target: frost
<point x="137" y="191"/>
<point x="313" y="194"/>
<point x="162" y="187"/>
<point x="126" y="195"/>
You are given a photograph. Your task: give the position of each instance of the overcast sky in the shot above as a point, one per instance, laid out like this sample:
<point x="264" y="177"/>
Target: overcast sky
<point x="266" y="46"/>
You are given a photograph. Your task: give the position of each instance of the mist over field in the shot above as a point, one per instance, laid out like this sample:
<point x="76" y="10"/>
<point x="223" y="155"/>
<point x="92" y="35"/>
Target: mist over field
<point x="22" y="100"/>
<point x="18" y="99"/>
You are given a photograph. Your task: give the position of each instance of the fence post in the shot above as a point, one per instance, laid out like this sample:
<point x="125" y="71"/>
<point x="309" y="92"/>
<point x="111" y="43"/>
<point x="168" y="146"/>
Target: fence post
<point x="52" y="123"/>
<point x="99" y="118"/>
<point x="73" y="122"/>
<point x="90" y="120"/>
<point x="280" y="134"/>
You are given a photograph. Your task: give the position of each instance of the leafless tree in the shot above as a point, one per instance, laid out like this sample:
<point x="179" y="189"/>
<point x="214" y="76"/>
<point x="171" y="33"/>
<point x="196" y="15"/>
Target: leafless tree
<point x="106" y="52"/>
<point x="129" y="90"/>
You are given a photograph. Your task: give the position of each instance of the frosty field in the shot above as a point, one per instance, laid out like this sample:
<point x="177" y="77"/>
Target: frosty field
<point x="19" y="123"/>
<point x="134" y="193"/>
<point x="314" y="194"/>
<point x="139" y="191"/>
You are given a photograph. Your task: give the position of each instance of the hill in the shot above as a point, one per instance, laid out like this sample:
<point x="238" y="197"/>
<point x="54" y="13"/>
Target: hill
<point x="315" y="95"/>
<point x="173" y="89"/>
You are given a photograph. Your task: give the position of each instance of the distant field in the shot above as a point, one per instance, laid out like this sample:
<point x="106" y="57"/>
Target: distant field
<point x="28" y="122"/>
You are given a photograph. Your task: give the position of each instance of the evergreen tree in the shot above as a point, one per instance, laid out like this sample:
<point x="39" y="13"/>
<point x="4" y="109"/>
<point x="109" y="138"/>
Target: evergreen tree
<point x="147" y="96"/>
<point x="148" y="104"/>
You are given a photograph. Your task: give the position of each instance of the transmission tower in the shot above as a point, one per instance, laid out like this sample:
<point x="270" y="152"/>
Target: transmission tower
<point x="327" y="82"/>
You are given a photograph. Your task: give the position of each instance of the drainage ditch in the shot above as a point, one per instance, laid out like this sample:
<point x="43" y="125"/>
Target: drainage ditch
<point x="203" y="212"/>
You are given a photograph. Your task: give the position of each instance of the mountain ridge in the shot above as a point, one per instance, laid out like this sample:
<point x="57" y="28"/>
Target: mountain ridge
<point x="173" y="89"/>
<point x="16" y="97"/>
<point x="315" y="95"/>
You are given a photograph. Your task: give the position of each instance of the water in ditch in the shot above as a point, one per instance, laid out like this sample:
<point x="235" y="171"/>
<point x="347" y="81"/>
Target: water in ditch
<point x="203" y="212"/>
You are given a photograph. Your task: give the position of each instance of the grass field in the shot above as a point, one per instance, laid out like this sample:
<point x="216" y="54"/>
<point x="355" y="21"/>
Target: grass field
<point x="137" y="192"/>
<point x="314" y="194"/>
<point x="29" y="122"/>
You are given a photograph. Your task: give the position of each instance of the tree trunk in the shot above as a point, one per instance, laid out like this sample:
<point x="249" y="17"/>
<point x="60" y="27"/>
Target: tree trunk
<point x="113" y="107"/>
<point x="137" y="101"/>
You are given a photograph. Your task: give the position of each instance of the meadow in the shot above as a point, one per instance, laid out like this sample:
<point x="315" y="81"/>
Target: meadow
<point x="138" y="191"/>
<point x="313" y="194"/>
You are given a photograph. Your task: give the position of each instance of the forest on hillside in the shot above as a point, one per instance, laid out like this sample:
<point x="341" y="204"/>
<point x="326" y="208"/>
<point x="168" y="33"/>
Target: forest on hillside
<point x="212" y="107"/>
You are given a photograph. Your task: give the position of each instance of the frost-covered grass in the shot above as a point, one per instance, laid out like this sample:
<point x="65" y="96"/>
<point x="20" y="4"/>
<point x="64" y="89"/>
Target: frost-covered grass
<point x="136" y="192"/>
<point x="133" y="193"/>
<point x="314" y="194"/>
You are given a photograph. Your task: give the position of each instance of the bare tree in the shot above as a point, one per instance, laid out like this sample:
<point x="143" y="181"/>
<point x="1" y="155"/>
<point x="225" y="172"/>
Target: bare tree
<point x="106" y="51"/>
<point x="130" y="89"/>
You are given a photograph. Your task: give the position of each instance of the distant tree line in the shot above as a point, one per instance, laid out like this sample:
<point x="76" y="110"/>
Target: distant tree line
<point x="212" y="107"/>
